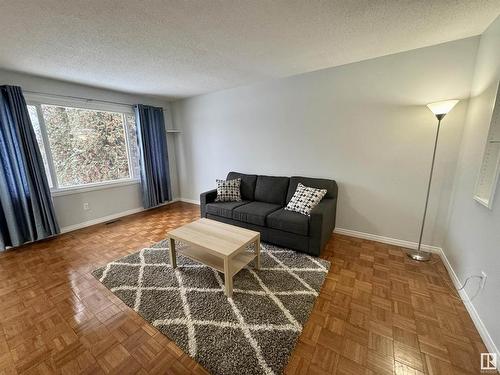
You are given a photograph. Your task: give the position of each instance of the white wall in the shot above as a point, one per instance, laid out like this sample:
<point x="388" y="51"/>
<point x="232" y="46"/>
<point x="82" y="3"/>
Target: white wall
<point x="106" y="202"/>
<point x="363" y="124"/>
<point x="473" y="238"/>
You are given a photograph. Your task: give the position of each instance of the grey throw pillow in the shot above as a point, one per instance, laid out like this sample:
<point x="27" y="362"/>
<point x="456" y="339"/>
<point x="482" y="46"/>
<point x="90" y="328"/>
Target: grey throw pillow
<point x="305" y="199"/>
<point x="228" y="190"/>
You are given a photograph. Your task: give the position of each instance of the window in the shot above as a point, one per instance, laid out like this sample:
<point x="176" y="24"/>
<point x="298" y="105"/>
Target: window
<point x="490" y="167"/>
<point x="85" y="147"/>
<point x="38" y="132"/>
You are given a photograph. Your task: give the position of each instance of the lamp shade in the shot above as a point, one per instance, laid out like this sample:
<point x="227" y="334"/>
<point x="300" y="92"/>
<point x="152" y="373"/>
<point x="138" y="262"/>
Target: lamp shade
<point x="443" y="107"/>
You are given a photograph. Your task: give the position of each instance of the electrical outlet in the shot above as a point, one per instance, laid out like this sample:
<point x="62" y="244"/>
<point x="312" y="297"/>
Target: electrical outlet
<point x="484" y="276"/>
<point x="86" y="206"/>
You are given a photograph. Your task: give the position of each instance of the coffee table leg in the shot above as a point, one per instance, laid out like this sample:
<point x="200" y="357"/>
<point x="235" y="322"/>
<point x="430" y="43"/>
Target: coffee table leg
<point x="173" y="259"/>
<point x="257" y="250"/>
<point x="228" y="278"/>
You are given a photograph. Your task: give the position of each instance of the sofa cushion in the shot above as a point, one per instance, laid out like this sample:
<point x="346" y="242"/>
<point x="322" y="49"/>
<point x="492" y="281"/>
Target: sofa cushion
<point x="224" y="209"/>
<point x="319" y="183"/>
<point x="254" y="212"/>
<point x="247" y="186"/>
<point x="271" y="189"/>
<point x="288" y="221"/>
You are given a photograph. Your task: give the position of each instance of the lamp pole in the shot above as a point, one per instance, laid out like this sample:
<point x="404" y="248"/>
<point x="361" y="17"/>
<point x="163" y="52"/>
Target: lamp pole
<point x="419" y="254"/>
<point x="440" y="109"/>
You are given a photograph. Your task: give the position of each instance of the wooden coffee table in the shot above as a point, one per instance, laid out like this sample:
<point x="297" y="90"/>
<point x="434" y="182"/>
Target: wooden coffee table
<point x="216" y="245"/>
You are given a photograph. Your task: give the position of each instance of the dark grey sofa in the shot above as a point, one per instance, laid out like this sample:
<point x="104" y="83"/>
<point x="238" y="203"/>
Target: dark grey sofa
<point x="263" y="209"/>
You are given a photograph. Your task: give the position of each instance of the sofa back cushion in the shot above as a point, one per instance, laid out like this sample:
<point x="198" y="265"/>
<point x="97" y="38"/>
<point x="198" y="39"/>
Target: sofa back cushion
<point x="271" y="189"/>
<point x="319" y="183"/>
<point x="247" y="186"/>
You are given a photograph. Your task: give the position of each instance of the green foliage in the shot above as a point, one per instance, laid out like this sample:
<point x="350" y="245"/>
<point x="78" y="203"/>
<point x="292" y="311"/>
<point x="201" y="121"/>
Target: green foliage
<point x="87" y="146"/>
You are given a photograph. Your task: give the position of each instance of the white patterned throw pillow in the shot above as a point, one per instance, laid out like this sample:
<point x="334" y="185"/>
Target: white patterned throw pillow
<point x="228" y="190"/>
<point x="305" y="199"/>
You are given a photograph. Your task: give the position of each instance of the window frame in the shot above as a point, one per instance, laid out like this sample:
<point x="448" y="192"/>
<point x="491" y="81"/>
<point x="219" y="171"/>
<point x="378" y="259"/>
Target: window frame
<point x="484" y="193"/>
<point x="37" y="100"/>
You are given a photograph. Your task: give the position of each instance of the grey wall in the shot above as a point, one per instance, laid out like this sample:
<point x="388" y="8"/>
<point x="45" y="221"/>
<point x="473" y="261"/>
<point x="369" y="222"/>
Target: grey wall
<point x="105" y="202"/>
<point x="473" y="238"/>
<point x="363" y="124"/>
<point x="102" y="203"/>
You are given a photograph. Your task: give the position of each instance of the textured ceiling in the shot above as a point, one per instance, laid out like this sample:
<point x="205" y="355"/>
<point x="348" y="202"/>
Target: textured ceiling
<point x="183" y="48"/>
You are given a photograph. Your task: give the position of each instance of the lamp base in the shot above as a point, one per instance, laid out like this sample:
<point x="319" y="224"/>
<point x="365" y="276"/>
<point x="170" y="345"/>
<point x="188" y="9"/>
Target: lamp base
<point x="421" y="256"/>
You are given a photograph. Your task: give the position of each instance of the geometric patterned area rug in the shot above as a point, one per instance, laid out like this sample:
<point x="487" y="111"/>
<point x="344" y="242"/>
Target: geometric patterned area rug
<point x="254" y="332"/>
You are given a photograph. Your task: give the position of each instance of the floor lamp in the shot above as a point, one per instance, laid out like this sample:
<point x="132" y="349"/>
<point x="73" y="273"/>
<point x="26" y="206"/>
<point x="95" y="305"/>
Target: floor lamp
<point x="440" y="109"/>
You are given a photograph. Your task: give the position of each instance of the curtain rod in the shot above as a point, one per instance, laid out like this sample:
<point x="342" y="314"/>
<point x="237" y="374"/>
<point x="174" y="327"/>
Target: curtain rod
<point x="78" y="98"/>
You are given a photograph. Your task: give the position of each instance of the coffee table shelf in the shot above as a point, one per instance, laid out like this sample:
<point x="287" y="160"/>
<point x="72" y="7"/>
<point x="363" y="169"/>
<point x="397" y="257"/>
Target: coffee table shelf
<point x="240" y="261"/>
<point x="198" y="254"/>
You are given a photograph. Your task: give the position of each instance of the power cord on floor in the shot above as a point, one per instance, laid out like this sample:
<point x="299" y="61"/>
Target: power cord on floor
<point x="478" y="289"/>
<point x="462" y="286"/>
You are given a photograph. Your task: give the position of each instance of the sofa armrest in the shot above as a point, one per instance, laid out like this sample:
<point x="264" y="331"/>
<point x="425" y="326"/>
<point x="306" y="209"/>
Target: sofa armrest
<point x="321" y="224"/>
<point x="207" y="197"/>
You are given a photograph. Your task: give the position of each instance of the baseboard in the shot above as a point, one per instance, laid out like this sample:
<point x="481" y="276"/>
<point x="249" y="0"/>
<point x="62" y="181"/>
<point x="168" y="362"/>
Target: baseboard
<point x="481" y="328"/>
<point x="193" y="201"/>
<point x="387" y="240"/>
<point x="104" y="219"/>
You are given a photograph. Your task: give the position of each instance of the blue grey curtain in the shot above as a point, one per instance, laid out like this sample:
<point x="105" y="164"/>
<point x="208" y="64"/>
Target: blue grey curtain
<point x="152" y="139"/>
<point x="26" y="210"/>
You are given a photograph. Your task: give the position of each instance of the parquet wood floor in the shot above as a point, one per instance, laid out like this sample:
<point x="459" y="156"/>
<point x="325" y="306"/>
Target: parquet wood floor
<point x="378" y="311"/>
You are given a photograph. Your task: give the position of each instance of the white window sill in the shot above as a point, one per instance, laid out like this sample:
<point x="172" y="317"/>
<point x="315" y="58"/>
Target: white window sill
<point x="90" y="187"/>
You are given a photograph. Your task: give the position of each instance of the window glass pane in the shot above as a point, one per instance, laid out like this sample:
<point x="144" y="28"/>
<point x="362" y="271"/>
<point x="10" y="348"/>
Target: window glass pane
<point x="133" y="145"/>
<point x="36" y="127"/>
<point x="87" y="146"/>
